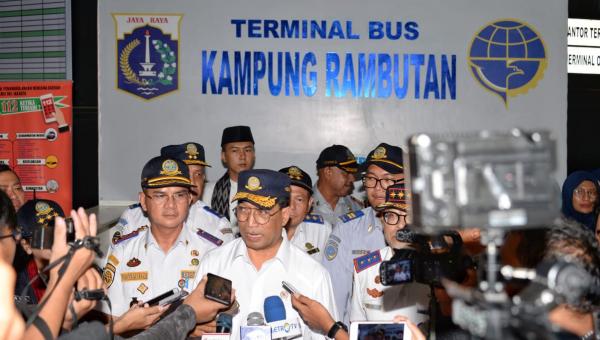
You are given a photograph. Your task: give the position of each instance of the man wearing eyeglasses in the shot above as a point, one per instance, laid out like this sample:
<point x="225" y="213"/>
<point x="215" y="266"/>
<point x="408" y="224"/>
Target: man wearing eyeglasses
<point x="262" y="258"/>
<point x="371" y="300"/>
<point x="154" y="259"/>
<point x="358" y="233"/>
<point x="200" y="214"/>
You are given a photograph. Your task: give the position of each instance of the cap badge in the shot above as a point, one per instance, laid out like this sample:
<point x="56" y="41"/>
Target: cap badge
<point x="191" y="151"/>
<point x="295" y="173"/>
<point x="42" y="208"/>
<point x="253" y="184"/>
<point x="170" y="168"/>
<point x="379" y="153"/>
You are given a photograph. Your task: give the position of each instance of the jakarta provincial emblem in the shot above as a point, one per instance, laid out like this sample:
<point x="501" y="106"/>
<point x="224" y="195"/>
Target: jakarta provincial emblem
<point x="147" y="53"/>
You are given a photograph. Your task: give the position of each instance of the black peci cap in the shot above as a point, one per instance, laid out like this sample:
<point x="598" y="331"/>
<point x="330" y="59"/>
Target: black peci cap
<point x="234" y="134"/>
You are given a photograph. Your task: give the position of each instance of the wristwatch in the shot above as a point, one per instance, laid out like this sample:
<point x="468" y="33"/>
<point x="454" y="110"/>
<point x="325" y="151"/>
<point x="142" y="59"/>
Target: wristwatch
<point x="335" y="328"/>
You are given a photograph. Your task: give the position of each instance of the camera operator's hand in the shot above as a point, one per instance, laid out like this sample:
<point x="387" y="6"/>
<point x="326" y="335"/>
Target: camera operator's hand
<point x="314" y="315"/>
<point x="83" y="257"/>
<point x="206" y="310"/>
<point x="60" y="290"/>
<point x="138" y="317"/>
<point x="90" y="280"/>
<point x="416" y="332"/>
<point x="11" y="322"/>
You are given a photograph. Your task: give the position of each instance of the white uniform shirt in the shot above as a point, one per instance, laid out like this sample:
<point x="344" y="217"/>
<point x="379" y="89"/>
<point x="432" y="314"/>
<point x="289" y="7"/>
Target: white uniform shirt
<point x="311" y="236"/>
<point x="207" y="198"/>
<point x="200" y="216"/>
<point x="252" y="286"/>
<point x="137" y="267"/>
<point x="373" y="301"/>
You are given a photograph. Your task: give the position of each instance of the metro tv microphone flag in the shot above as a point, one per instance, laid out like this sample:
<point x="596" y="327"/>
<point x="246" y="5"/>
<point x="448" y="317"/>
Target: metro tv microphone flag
<point x="281" y="326"/>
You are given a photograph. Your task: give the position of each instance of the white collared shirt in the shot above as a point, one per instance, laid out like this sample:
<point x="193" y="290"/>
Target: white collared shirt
<point x="137" y="267"/>
<point x="252" y="286"/>
<point x="372" y="301"/>
<point x="200" y="216"/>
<point x="311" y="236"/>
<point x="343" y="206"/>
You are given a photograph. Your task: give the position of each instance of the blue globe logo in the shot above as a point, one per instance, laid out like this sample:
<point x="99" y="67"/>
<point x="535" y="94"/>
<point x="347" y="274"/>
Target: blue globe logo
<point x="508" y="58"/>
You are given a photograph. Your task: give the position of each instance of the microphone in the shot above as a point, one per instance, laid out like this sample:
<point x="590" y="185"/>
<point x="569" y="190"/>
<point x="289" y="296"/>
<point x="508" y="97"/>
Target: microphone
<point x="281" y="327"/>
<point x="256" y="329"/>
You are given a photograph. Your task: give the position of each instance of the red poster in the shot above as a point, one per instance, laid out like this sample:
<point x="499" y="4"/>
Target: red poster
<point x="36" y="124"/>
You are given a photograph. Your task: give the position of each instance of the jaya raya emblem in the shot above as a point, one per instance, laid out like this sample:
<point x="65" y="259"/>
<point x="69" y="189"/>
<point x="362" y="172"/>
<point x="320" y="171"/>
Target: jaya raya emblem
<point x="508" y="58"/>
<point x="147" y="54"/>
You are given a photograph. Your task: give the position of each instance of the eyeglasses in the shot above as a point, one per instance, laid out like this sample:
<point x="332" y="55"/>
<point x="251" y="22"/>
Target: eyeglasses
<point x="162" y="198"/>
<point x="261" y="216"/>
<point x="392" y="218"/>
<point x="371" y="182"/>
<point x="582" y="193"/>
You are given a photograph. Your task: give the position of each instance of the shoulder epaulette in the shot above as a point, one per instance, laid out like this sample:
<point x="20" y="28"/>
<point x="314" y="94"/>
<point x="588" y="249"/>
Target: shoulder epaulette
<point x="314" y="218"/>
<point x="135" y="205"/>
<point x="209" y="237"/>
<point x="351" y="216"/>
<point x="214" y="212"/>
<point x="118" y="238"/>
<point x="363" y="262"/>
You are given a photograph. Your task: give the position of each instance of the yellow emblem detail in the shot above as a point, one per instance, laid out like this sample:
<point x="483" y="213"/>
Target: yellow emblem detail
<point x="191" y="151"/>
<point x="309" y="245"/>
<point x="142" y="288"/>
<point x="134" y="276"/>
<point x="295" y="173"/>
<point x="379" y="153"/>
<point x="188" y="274"/>
<point x="170" y="168"/>
<point x="42" y="208"/>
<point x="253" y="184"/>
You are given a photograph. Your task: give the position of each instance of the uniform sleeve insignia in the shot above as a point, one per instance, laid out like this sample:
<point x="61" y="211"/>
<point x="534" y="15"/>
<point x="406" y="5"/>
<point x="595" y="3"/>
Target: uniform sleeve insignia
<point x="108" y="274"/>
<point x="367" y="261"/>
<point x="351" y="216"/>
<point x="331" y="250"/>
<point x="113" y="259"/>
<point x="118" y="238"/>
<point x="207" y="208"/>
<point x="209" y="237"/>
<point x="313" y="218"/>
<point x="135" y="206"/>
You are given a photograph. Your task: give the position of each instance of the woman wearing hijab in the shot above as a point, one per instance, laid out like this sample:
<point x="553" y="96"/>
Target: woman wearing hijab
<point x="580" y="198"/>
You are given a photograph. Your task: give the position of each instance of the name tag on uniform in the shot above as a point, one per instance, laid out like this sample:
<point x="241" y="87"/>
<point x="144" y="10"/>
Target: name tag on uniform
<point x="134" y="276"/>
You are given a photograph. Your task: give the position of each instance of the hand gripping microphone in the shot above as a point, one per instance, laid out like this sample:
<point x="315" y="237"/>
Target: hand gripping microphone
<point x="281" y="327"/>
<point x="224" y="322"/>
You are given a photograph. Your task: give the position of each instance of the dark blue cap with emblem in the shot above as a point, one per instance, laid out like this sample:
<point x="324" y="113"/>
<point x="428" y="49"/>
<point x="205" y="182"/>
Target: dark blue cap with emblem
<point x="35" y="214"/>
<point x="163" y="171"/>
<point x="190" y="153"/>
<point x="298" y="177"/>
<point x="263" y="188"/>
<point x="387" y="157"/>
<point x="339" y="156"/>
<point x="396" y="197"/>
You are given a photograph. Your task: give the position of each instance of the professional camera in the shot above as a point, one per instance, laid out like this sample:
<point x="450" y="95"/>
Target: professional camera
<point x="35" y="220"/>
<point x="486" y="180"/>
<point x="434" y="258"/>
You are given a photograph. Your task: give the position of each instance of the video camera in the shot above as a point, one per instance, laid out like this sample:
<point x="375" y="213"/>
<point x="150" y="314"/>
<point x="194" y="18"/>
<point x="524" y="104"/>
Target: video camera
<point x="434" y="258"/>
<point x="36" y="220"/>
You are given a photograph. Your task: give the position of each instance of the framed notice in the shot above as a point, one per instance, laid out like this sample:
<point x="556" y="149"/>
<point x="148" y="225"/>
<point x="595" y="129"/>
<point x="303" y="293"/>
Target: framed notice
<point x="35" y="137"/>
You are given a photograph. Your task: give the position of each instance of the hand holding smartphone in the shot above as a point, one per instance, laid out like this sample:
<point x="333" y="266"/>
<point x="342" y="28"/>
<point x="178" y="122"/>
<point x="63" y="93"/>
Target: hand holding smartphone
<point x="218" y="289"/>
<point x="167" y="298"/>
<point x="360" y="330"/>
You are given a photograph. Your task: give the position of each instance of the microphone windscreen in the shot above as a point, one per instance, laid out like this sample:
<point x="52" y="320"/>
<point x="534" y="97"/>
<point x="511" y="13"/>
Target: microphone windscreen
<point x="274" y="309"/>
<point x="224" y="323"/>
<point x="255" y="319"/>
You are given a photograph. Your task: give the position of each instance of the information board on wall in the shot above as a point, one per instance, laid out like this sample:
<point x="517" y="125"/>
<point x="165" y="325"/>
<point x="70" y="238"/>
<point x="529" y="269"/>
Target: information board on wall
<point x="584" y="46"/>
<point x="306" y="75"/>
<point x="36" y="135"/>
